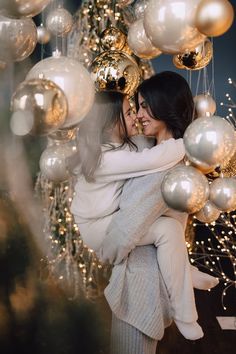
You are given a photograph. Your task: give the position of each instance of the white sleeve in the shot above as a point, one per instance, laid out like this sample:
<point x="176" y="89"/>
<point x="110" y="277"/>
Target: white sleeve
<point x="123" y="164"/>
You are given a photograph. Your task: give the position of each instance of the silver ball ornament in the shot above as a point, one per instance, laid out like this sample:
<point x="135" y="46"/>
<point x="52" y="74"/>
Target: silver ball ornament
<point x="139" y="42"/>
<point x="53" y="161"/>
<point x="42" y="101"/>
<point x="185" y="189"/>
<point x="59" y="22"/>
<point x="73" y="79"/>
<point x="169" y="24"/>
<point x="208" y="213"/>
<point x="209" y="141"/>
<point x="18" y="38"/>
<point x="223" y="193"/>
<point x="205" y="105"/>
<point x="24" y="8"/>
<point x="43" y="35"/>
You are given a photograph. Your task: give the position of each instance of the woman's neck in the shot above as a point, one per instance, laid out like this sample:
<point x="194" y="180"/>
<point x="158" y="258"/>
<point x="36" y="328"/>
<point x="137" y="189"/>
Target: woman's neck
<point x="163" y="135"/>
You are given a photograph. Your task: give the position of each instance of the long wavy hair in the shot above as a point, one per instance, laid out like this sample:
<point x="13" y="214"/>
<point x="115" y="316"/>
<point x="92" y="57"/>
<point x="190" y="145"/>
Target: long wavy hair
<point x="96" y="129"/>
<point x="169" y="99"/>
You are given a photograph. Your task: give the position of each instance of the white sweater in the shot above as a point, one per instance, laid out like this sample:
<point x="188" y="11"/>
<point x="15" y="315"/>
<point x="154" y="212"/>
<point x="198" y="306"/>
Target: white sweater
<point x="94" y="203"/>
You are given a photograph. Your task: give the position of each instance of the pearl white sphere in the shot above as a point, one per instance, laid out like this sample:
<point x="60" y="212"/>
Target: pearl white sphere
<point x="73" y="79"/>
<point x="209" y="141"/>
<point x="185" y="189"/>
<point x="223" y="193"/>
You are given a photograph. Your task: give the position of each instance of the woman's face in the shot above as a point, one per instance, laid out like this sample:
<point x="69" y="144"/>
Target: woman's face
<point x="130" y="118"/>
<point x="151" y="126"/>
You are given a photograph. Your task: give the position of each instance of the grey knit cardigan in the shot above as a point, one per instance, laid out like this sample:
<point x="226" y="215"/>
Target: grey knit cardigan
<point x="136" y="292"/>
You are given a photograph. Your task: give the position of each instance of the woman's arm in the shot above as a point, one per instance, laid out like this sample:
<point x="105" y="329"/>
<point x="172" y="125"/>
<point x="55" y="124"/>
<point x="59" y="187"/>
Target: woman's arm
<point x="123" y="164"/>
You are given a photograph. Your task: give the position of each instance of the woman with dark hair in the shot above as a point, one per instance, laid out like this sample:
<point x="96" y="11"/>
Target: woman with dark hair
<point x="165" y="110"/>
<point x="166" y="100"/>
<point x="108" y="159"/>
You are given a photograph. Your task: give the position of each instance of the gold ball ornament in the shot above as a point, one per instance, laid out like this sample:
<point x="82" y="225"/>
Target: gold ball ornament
<point x="59" y="22"/>
<point x="39" y="105"/>
<point x="115" y="71"/>
<point x="139" y="42"/>
<point x="43" y="35"/>
<point x="185" y="188"/>
<point x="112" y="39"/>
<point x="146" y="69"/>
<point x="223" y="193"/>
<point x="208" y="213"/>
<point x="169" y="24"/>
<point x="205" y="105"/>
<point x="26" y="8"/>
<point x="127" y="50"/>
<point x="208" y="141"/>
<point x="18" y="38"/>
<point x="195" y="59"/>
<point x="73" y="79"/>
<point x="214" y="17"/>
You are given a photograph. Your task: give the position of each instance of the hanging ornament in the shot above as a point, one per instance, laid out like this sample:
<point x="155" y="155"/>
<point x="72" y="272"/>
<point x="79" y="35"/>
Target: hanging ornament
<point x="139" y="43"/>
<point x="43" y="35"/>
<point x="223" y="193"/>
<point x="139" y="8"/>
<point x="18" y="38"/>
<point x="214" y="17"/>
<point x="53" y="161"/>
<point x="124" y="3"/>
<point x="208" y="213"/>
<point x="195" y="59"/>
<point x="73" y="79"/>
<point x="185" y="189"/>
<point x="146" y="69"/>
<point x="112" y="39"/>
<point x="26" y="8"/>
<point x="42" y="101"/>
<point x="209" y="141"/>
<point x="204" y="104"/>
<point x="169" y="24"/>
<point x="115" y="71"/>
<point x="59" y="22"/>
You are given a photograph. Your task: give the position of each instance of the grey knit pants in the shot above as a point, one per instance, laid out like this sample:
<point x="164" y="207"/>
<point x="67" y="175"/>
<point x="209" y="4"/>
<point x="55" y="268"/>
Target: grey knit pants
<point x="126" y="339"/>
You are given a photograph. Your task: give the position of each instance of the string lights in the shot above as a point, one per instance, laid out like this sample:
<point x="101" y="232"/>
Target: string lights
<point x="217" y="253"/>
<point x="67" y="258"/>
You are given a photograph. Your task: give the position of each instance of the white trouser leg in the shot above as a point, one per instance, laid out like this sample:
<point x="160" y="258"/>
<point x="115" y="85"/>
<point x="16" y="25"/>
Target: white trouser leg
<point x="167" y="235"/>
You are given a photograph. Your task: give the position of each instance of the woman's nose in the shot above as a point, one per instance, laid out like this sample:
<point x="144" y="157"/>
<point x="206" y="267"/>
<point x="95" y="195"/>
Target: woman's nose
<point x="139" y="114"/>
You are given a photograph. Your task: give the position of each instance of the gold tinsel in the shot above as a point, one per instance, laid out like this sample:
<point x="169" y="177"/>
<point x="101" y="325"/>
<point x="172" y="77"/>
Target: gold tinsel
<point x="230" y="169"/>
<point x="190" y="233"/>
